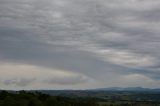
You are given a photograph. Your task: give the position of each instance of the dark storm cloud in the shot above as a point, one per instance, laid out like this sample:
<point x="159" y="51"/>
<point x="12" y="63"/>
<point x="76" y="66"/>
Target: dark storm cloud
<point x="96" y="38"/>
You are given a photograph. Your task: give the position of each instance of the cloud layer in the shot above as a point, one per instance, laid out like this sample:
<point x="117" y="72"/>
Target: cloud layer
<point x="19" y="76"/>
<point x="112" y="42"/>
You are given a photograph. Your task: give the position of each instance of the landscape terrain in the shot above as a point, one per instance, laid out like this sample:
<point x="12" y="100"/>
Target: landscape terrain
<point x="133" y="96"/>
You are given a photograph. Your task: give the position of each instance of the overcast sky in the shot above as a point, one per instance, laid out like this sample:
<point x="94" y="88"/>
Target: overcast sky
<point x="79" y="44"/>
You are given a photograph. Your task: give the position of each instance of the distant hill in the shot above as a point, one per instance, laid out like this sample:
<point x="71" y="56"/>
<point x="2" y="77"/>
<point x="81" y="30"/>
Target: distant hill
<point x="101" y="92"/>
<point x="127" y="89"/>
<point x="97" y="89"/>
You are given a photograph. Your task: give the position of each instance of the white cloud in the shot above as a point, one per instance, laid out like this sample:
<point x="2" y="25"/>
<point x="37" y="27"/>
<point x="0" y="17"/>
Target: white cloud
<point x="126" y="58"/>
<point x="122" y="57"/>
<point x="138" y="80"/>
<point x="24" y="76"/>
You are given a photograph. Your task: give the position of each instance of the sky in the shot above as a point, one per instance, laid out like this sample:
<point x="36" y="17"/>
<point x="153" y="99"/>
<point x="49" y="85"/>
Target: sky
<point x="79" y="44"/>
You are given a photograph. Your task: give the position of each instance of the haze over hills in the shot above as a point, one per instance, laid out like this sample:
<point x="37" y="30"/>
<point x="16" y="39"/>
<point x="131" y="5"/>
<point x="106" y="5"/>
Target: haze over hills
<point x="101" y="92"/>
<point x="101" y="89"/>
<point x="127" y="89"/>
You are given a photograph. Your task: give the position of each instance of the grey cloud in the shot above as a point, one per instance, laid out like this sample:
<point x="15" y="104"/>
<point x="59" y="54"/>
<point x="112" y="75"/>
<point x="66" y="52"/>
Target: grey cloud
<point x="18" y="82"/>
<point x="74" y="80"/>
<point x="71" y="35"/>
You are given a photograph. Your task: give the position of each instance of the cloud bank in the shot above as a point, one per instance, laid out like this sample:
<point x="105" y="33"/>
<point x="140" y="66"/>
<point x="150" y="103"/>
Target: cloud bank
<point x="111" y="42"/>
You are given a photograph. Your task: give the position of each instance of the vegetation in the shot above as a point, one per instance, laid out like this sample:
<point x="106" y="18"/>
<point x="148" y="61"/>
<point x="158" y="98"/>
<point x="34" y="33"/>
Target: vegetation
<point x="33" y="98"/>
<point x="24" y="98"/>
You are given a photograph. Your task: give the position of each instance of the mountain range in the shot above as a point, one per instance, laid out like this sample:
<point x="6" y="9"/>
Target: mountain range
<point x="127" y="89"/>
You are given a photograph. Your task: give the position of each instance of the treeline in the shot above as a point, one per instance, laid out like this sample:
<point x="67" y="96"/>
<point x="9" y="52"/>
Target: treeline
<point x="23" y="98"/>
